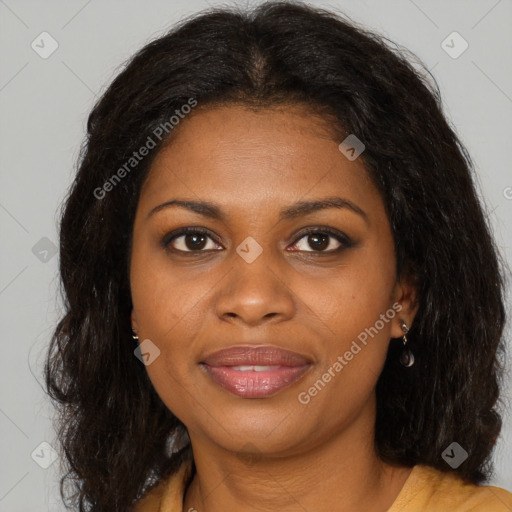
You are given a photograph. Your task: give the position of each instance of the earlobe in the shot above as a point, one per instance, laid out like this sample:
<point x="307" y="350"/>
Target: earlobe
<point x="133" y="319"/>
<point x="406" y="295"/>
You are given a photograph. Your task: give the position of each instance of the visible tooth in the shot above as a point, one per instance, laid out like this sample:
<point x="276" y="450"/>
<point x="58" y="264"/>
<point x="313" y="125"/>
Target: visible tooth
<point x="263" y="368"/>
<point x="255" y="368"/>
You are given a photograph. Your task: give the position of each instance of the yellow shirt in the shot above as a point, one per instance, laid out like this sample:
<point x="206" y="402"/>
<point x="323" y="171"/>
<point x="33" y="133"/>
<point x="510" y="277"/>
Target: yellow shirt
<point x="425" y="490"/>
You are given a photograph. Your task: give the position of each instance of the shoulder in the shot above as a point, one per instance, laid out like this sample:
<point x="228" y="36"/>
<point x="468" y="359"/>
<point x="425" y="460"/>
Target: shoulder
<point x="432" y="490"/>
<point x="151" y="501"/>
<point x="167" y="494"/>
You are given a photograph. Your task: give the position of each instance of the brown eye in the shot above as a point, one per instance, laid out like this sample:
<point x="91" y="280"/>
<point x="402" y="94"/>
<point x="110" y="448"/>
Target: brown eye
<point x="190" y="240"/>
<point x="322" y="240"/>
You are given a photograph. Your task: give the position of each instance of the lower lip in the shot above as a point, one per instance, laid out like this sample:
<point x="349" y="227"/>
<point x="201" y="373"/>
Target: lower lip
<point x="252" y="384"/>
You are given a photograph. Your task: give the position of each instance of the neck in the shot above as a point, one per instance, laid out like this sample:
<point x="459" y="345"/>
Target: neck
<point x="340" y="471"/>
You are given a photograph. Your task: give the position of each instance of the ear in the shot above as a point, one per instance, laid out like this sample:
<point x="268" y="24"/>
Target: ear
<point x="133" y="319"/>
<point x="405" y="296"/>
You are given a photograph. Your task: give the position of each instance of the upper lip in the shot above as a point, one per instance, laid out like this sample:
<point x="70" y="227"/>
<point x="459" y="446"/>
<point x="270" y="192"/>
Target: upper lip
<point x="265" y="355"/>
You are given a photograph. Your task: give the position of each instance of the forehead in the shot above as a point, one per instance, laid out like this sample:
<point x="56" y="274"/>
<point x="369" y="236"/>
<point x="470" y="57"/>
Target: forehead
<point x="241" y="157"/>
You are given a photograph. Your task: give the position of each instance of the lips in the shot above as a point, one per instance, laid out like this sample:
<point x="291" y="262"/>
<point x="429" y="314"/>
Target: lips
<point x="255" y="372"/>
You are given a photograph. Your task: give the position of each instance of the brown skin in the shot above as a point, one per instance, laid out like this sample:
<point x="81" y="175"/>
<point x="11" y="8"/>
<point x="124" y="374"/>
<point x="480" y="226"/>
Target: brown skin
<point x="318" y="456"/>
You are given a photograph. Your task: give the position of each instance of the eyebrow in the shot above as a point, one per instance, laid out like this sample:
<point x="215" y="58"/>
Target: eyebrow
<point x="298" y="209"/>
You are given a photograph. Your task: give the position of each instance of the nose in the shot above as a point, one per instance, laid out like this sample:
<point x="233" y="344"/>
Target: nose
<point x="254" y="293"/>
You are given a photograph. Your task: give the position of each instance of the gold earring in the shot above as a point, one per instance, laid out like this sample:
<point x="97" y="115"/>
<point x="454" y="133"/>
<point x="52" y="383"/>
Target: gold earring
<point x="407" y="357"/>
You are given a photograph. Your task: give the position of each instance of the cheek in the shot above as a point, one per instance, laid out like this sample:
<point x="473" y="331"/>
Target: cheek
<point x="356" y="344"/>
<point x="165" y="300"/>
<point x="356" y="293"/>
<point x="171" y="308"/>
<point x="155" y="301"/>
<point x="356" y="305"/>
<point x="169" y="314"/>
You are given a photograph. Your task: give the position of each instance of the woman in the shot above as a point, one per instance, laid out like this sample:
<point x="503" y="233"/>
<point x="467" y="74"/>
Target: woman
<point x="273" y="207"/>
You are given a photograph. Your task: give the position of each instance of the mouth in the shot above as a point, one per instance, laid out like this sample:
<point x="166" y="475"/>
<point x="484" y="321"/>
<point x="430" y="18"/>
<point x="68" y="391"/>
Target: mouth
<point x="255" y="372"/>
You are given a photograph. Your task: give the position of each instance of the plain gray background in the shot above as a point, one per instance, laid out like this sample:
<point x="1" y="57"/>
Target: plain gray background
<point x="44" y="103"/>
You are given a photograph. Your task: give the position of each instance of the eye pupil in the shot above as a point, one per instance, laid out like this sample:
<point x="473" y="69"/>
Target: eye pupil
<point x="197" y="243"/>
<point x="318" y="241"/>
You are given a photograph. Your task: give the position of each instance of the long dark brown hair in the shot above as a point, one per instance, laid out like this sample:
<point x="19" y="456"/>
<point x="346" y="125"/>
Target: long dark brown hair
<point x="112" y="425"/>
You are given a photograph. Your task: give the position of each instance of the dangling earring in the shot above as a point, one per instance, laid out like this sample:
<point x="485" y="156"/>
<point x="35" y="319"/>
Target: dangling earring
<point x="135" y="338"/>
<point x="407" y="357"/>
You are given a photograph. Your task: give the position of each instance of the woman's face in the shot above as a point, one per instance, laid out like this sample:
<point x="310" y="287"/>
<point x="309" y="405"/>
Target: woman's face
<point x="256" y="279"/>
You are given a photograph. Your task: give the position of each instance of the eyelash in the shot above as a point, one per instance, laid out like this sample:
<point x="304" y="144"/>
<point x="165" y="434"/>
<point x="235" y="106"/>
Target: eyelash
<point x="343" y="239"/>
